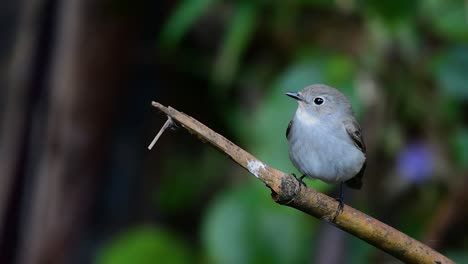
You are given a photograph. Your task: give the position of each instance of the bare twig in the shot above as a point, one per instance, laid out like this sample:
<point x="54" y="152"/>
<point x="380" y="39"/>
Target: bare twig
<point x="163" y="128"/>
<point x="286" y="190"/>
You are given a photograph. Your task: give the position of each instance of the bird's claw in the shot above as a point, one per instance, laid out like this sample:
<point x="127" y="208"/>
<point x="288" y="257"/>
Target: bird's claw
<point x="300" y="179"/>
<point x="340" y="207"/>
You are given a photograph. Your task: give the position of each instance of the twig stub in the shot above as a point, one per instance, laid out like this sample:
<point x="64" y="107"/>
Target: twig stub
<point x="168" y="123"/>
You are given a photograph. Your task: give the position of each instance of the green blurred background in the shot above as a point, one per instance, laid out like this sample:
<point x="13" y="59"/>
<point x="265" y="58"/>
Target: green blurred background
<point x="76" y="81"/>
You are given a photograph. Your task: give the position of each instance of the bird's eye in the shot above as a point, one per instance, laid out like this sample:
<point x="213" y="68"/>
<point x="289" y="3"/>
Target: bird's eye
<point x="318" y="100"/>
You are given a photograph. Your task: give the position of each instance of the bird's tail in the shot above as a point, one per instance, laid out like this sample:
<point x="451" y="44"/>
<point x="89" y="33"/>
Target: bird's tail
<point x="356" y="181"/>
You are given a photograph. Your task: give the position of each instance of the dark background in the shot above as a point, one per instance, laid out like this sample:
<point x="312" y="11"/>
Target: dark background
<point x="77" y="184"/>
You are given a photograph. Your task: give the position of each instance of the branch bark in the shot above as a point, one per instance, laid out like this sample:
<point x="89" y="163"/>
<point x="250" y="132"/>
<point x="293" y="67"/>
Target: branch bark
<point x="286" y="190"/>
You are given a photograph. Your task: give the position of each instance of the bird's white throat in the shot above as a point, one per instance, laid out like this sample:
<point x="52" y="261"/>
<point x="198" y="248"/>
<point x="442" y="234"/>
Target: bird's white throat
<point x="305" y="117"/>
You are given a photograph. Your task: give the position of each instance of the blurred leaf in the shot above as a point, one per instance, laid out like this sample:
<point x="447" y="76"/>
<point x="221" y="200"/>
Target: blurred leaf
<point x="450" y="110"/>
<point x="380" y="40"/>
<point x="188" y="177"/>
<point x="235" y="41"/>
<point x="181" y="20"/>
<point x="145" y="245"/>
<point x="392" y="138"/>
<point x="359" y="251"/>
<point x="339" y="70"/>
<point x="460" y="146"/>
<point x="317" y="3"/>
<point x="391" y="11"/>
<point x="339" y="73"/>
<point x="447" y="18"/>
<point x="408" y="38"/>
<point x="284" y="15"/>
<point x="458" y="256"/>
<point x="451" y="70"/>
<point x="245" y="226"/>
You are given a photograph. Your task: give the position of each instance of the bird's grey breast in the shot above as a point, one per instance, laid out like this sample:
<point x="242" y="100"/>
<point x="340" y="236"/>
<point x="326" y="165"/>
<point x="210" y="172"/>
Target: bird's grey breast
<point x="322" y="149"/>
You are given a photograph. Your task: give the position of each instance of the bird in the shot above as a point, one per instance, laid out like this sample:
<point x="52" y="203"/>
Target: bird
<point x="325" y="141"/>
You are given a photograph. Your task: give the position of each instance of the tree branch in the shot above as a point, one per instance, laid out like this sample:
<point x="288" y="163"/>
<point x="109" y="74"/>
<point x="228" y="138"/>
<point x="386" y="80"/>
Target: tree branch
<point x="286" y="190"/>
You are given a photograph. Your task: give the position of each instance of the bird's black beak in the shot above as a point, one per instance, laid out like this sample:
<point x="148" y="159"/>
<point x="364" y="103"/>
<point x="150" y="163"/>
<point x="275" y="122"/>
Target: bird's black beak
<point x="296" y="96"/>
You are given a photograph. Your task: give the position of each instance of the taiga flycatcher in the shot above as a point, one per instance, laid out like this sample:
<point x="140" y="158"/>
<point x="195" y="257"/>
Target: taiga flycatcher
<point x="324" y="138"/>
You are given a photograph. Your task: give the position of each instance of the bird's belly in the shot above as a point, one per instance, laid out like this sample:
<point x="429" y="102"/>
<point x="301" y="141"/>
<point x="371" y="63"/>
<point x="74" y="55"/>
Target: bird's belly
<point x="327" y="158"/>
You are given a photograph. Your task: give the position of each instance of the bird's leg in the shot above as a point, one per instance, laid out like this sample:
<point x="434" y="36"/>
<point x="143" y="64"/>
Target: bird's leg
<point x="300" y="179"/>
<point x="340" y="200"/>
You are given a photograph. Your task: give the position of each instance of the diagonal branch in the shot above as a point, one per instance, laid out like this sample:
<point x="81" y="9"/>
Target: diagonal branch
<point x="287" y="191"/>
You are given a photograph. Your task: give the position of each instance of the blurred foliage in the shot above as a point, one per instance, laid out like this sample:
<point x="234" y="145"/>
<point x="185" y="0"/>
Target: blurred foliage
<point x="237" y="37"/>
<point x="460" y="145"/>
<point x="450" y="72"/>
<point x="448" y="18"/>
<point x="244" y="226"/>
<point x="415" y="57"/>
<point x="143" y="245"/>
<point x="458" y="256"/>
<point x="188" y="184"/>
<point x="184" y="17"/>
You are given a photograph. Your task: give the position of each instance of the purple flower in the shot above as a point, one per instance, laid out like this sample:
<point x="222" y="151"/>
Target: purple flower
<point x="416" y="163"/>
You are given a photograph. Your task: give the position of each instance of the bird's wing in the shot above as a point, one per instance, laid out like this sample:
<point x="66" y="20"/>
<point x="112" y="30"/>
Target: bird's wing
<point x="354" y="131"/>
<point x="288" y="129"/>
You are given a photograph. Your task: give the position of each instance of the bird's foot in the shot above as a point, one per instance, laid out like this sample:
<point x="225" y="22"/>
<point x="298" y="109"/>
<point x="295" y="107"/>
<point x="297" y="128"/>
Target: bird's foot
<point x="340" y="207"/>
<point x="340" y="200"/>
<point x="300" y="179"/>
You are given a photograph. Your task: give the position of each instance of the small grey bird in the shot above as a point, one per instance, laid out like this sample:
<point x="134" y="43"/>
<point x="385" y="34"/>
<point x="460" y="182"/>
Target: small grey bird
<point x="324" y="138"/>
